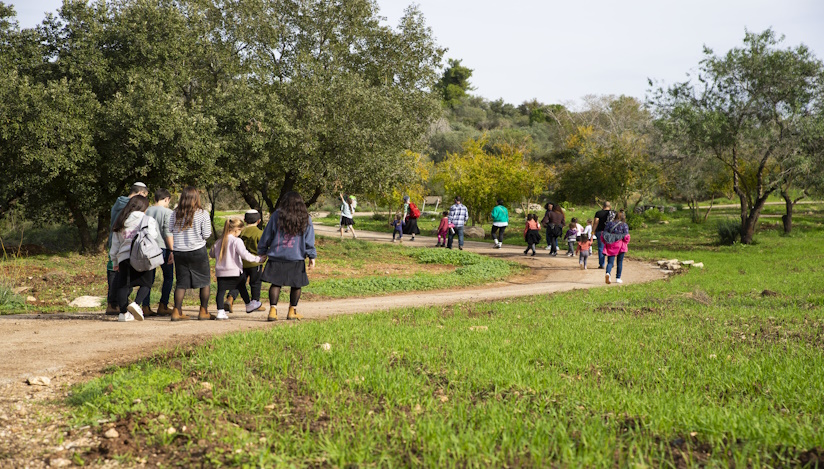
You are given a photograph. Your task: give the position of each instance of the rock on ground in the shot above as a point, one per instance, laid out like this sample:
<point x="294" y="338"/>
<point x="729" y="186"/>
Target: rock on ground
<point x="87" y="302"/>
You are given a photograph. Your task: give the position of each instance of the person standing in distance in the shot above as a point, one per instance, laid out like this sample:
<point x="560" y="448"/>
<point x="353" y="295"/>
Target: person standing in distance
<point x="458" y="216"/>
<point x="599" y="223"/>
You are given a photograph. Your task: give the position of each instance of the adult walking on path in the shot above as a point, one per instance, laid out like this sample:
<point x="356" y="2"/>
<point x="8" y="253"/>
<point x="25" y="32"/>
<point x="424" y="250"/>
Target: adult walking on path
<point x="599" y="222"/>
<point x="410" y="218"/>
<point x="138" y="188"/>
<point x="458" y="216"/>
<point x="500" y="220"/>
<point x="131" y="220"/>
<point x="287" y="240"/>
<point x="554" y="221"/>
<point x="161" y="213"/>
<point x="616" y="240"/>
<point x="190" y="228"/>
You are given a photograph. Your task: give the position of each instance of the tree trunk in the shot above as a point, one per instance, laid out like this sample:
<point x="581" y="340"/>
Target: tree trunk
<point x="86" y="244"/>
<point x="787" y="218"/>
<point x="693" y="206"/>
<point x="213" y="193"/>
<point x="712" y="202"/>
<point x="748" y="222"/>
<point x="102" y="235"/>
<point x="249" y="197"/>
<point x="289" y="182"/>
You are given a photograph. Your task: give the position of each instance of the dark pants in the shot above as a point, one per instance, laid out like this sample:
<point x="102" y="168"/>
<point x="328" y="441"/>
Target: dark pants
<point x="397" y="233"/>
<point x="253" y="275"/>
<point x="500" y="233"/>
<point x="458" y="231"/>
<point x="619" y="267"/>
<point x="551" y="239"/>
<point x="168" y="280"/>
<point x="123" y="284"/>
<point x="111" y="294"/>
<point x="601" y="256"/>
<point x="225" y="284"/>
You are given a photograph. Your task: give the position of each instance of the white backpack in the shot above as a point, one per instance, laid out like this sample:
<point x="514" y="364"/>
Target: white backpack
<point x="145" y="254"/>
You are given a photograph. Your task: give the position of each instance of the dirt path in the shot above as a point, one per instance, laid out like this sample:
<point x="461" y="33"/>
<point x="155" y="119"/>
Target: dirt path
<point x="53" y="344"/>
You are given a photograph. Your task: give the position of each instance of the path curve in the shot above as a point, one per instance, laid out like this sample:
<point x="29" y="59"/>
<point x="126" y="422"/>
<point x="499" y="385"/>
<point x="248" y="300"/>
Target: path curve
<point x="40" y="345"/>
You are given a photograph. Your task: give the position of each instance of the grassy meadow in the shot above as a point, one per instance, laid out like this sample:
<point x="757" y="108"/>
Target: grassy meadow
<point x="718" y="366"/>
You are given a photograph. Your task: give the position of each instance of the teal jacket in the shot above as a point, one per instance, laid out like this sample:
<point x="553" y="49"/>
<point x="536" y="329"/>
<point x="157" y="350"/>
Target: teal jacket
<point x="500" y="214"/>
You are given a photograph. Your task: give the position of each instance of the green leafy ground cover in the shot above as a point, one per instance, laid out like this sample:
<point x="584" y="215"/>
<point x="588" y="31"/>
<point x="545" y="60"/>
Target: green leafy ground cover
<point x="714" y="367"/>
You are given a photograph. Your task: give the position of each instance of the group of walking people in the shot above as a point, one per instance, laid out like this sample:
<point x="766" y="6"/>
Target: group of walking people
<point x="181" y="234"/>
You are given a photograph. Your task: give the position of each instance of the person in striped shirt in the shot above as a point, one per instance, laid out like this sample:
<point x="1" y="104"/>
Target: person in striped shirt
<point x="190" y="227"/>
<point x="458" y="216"/>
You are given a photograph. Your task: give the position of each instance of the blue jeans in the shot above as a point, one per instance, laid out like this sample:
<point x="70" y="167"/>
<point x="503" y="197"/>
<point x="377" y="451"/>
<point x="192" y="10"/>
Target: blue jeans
<point x="601" y="256"/>
<point x="168" y="280"/>
<point x="459" y="232"/>
<point x="611" y="260"/>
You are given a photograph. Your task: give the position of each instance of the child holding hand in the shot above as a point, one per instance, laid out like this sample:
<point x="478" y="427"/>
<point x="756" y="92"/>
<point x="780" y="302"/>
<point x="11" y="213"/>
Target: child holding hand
<point x="443" y="230"/>
<point x="583" y="249"/>
<point x="230" y="253"/>
<point x="571" y="236"/>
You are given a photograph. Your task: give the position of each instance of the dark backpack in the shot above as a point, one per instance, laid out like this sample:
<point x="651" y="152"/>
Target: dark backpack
<point x="413" y="210"/>
<point x="145" y="254"/>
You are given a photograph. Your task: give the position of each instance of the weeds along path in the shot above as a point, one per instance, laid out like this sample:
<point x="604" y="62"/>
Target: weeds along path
<point x="69" y="345"/>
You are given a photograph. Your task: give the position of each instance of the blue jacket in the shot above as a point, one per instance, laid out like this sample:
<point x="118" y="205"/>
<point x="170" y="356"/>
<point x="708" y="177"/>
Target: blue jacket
<point x="279" y="246"/>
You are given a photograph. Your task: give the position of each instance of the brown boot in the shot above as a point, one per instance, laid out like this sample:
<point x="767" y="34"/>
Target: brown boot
<point x="273" y="313"/>
<point x="262" y="308"/>
<point x="204" y="315"/>
<point x="293" y="314"/>
<point x="177" y="316"/>
<point x="163" y="309"/>
<point x="227" y="305"/>
<point x="112" y="309"/>
<point x="147" y="312"/>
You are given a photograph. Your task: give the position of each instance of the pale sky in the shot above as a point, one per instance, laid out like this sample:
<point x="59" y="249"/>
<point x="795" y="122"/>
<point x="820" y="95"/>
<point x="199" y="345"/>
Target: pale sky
<point x="559" y="51"/>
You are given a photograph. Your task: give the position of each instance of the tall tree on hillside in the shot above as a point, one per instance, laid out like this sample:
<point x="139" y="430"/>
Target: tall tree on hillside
<point x="454" y="84"/>
<point x="748" y="110"/>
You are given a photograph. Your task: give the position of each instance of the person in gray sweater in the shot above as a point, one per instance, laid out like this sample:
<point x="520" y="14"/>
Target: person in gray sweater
<point x="161" y="213"/>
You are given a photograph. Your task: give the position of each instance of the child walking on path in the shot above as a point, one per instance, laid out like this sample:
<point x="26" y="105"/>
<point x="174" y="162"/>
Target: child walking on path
<point x="129" y="221"/>
<point x="571" y="236"/>
<point x="251" y="270"/>
<point x="287" y="241"/>
<point x="230" y="252"/>
<point x="397" y="227"/>
<point x="347" y="214"/>
<point x="532" y="233"/>
<point x="443" y="230"/>
<point x="584" y="249"/>
<point x="616" y="240"/>
<point x="500" y="220"/>
<point x="588" y="233"/>
<point x="190" y="228"/>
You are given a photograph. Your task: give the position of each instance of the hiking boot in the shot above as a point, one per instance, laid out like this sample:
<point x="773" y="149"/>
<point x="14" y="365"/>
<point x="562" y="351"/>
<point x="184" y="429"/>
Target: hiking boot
<point x="293" y="314"/>
<point x="262" y="307"/>
<point x="147" y="312"/>
<point x="229" y="303"/>
<point x="178" y="316"/>
<point x="136" y="310"/>
<point x="273" y="313"/>
<point x="163" y="309"/>
<point x="204" y="315"/>
<point x="112" y="309"/>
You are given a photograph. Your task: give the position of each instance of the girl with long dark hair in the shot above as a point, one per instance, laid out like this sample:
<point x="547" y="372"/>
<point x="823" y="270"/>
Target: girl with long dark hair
<point x="287" y="241"/>
<point x="190" y="227"/>
<point x="125" y="228"/>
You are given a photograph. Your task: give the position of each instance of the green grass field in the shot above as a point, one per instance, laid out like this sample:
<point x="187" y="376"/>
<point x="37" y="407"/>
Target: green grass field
<point x="715" y="367"/>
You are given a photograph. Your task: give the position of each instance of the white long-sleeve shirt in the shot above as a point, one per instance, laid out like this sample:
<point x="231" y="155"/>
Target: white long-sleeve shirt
<point x="122" y="240"/>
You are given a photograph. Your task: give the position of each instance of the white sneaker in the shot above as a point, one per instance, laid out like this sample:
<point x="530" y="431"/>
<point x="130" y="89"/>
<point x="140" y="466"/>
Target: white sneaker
<point x="619" y="280"/>
<point x="221" y="314"/>
<point x="136" y="310"/>
<point x="252" y="306"/>
<point x="125" y="317"/>
<point x="606" y="278"/>
<point x="547" y="248"/>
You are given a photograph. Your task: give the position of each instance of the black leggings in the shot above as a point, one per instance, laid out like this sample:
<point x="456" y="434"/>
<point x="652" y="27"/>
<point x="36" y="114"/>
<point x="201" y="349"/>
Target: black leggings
<point x="274" y="294"/>
<point x="225" y="284"/>
<point x="500" y="230"/>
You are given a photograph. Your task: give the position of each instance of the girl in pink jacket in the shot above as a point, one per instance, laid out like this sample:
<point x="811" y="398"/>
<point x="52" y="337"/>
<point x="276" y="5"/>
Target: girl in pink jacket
<point x="230" y="252"/>
<point x="615" y="238"/>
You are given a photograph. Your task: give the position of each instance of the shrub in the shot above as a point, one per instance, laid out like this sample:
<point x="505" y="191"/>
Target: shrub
<point x="729" y="232"/>
<point x="379" y="216"/>
<point x="9" y="299"/>
<point x="634" y="220"/>
<point x="654" y="215"/>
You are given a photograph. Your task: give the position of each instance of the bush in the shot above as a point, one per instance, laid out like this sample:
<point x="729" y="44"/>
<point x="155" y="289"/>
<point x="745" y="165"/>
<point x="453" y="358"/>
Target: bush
<point x="9" y="299"/>
<point x="654" y="215"/>
<point x="379" y="217"/>
<point x="634" y="220"/>
<point x="729" y="232"/>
